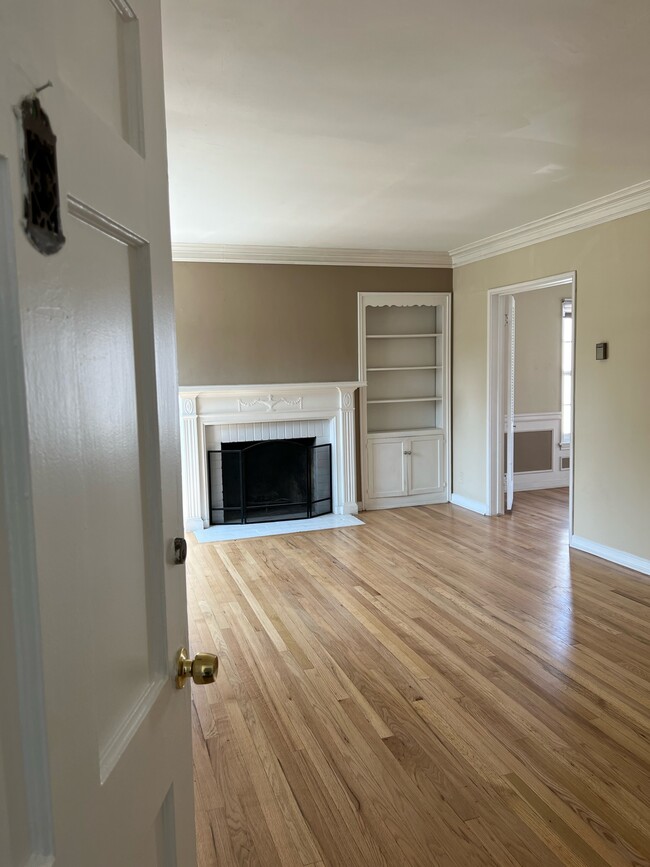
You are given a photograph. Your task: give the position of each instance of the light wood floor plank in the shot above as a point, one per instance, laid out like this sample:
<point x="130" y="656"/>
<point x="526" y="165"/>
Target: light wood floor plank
<point x="430" y="688"/>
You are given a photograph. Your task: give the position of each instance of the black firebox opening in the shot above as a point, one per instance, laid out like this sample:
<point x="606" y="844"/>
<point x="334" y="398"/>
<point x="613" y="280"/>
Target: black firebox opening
<point x="270" y="480"/>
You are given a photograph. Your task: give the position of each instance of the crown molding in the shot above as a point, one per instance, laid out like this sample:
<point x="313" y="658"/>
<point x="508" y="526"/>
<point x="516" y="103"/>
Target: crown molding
<point x="622" y="203"/>
<point x="187" y="252"/>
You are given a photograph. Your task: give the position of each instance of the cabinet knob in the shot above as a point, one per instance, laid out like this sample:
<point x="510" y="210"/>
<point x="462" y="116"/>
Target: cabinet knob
<point x="407" y="453"/>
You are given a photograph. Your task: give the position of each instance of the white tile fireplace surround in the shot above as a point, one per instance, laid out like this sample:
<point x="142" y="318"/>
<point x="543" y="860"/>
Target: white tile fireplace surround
<point x="211" y="415"/>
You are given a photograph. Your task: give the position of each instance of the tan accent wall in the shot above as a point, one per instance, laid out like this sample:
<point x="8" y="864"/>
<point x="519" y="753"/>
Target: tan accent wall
<point x="239" y="324"/>
<point x="538" y="343"/>
<point x="612" y="426"/>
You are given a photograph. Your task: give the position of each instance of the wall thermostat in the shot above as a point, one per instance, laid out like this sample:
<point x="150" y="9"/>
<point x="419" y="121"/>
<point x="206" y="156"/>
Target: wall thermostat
<point x="601" y="352"/>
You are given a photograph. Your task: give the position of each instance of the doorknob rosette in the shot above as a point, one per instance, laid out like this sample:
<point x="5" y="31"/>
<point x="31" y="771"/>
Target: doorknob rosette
<point x="202" y="669"/>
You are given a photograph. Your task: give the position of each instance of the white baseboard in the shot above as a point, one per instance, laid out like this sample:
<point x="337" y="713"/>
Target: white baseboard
<point x="613" y="555"/>
<point x="405" y="502"/>
<point x="541" y="480"/>
<point x="465" y="503"/>
<point x="193" y="524"/>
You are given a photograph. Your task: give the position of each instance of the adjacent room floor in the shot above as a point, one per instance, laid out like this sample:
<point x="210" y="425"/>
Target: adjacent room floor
<point x="431" y="688"/>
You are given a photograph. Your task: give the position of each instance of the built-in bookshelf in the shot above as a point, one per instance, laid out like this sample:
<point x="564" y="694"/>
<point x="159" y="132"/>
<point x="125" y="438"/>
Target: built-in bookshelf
<point x="403" y="353"/>
<point x="404" y="367"/>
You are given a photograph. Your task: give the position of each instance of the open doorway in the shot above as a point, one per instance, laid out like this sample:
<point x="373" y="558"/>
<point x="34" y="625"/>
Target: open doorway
<point x="531" y="352"/>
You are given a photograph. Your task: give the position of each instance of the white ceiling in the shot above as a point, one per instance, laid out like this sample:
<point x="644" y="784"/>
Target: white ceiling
<point x="398" y="124"/>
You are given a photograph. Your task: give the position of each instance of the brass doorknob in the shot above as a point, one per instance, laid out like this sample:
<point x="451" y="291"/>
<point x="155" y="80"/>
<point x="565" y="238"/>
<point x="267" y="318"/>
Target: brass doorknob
<point x="202" y="669"/>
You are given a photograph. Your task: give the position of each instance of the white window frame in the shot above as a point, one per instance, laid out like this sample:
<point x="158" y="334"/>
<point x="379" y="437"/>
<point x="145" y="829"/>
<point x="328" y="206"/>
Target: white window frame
<point x="566" y="387"/>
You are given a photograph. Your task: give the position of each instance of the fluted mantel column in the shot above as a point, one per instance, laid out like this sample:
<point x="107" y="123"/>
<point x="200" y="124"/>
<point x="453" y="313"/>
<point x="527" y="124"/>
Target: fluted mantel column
<point x="347" y="467"/>
<point x="190" y="462"/>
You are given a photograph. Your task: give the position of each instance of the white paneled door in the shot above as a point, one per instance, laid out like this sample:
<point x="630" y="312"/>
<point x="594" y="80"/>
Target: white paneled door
<point x="95" y="755"/>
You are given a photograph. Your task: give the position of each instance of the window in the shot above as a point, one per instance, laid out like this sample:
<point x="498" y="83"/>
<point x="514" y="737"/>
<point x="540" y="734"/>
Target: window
<point x="567" y="368"/>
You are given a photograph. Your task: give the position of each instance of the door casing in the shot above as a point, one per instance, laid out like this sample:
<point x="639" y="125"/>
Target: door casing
<point x="498" y="360"/>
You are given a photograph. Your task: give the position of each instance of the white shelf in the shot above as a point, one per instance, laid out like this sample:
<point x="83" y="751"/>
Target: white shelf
<point x="405" y="400"/>
<point x="411" y="432"/>
<point x="400" y="336"/>
<point x="419" y="367"/>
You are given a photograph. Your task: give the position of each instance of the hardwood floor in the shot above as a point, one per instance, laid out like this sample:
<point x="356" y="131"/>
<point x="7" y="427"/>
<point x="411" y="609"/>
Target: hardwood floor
<point x="433" y="688"/>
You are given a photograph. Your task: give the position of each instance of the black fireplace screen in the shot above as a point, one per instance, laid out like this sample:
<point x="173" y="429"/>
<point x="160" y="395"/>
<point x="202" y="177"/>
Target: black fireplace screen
<point x="272" y="480"/>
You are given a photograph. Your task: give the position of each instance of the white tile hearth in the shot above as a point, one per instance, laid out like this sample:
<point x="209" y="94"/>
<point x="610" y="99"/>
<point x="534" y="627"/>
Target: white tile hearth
<point x="233" y="532"/>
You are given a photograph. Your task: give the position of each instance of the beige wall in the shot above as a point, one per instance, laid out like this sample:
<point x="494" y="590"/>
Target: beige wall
<point x="240" y="324"/>
<point x="538" y="342"/>
<point x="612" y="429"/>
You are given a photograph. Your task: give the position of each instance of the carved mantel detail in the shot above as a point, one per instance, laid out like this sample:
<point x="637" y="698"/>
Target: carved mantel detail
<point x="189" y="406"/>
<point x="269" y="402"/>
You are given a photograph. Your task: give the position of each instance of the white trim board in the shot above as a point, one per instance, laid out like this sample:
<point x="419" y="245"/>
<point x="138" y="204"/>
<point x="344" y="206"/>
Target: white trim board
<point x="537" y="417"/>
<point x="622" y="203"/>
<point x="372" y="505"/>
<point x="256" y="388"/>
<point x="262" y="255"/>
<point x="465" y="503"/>
<point x="541" y="480"/>
<point x="613" y="555"/>
<point x="565" y="279"/>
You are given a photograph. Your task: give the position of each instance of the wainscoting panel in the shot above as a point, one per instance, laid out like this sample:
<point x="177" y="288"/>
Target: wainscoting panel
<point x="533" y="451"/>
<point x="540" y="461"/>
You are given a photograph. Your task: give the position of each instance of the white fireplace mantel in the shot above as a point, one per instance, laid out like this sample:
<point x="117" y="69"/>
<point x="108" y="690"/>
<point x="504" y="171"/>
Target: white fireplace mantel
<point x="255" y="406"/>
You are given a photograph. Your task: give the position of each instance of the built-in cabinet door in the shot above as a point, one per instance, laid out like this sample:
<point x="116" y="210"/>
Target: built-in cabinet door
<point x="405" y="467"/>
<point x="387" y="474"/>
<point x="426" y="465"/>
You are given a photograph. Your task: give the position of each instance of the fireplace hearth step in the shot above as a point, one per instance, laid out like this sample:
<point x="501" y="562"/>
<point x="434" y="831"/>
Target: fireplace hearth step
<point x="233" y="532"/>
